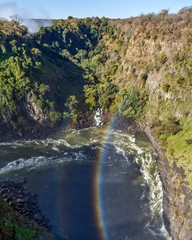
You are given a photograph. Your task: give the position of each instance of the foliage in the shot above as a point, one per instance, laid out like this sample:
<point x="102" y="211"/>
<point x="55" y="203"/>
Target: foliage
<point x="106" y="94"/>
<point x="72" y="105"/>
<point x="165" y="87"/>
<point x="43" y="89"/>
<point x="171" y="125"/>
<point x="81" y="64"/>
<point x="179" y="147"/>
<point x="162" y="58"/>
<point x="54" y="116"/>
<point x="74" y="36"/>
<point x="14" y="227"/>
<point x="185" y="10"/>
<point x="181" y="80"/>
<point x="134" y="103"/>
<point x="91" y="95"/>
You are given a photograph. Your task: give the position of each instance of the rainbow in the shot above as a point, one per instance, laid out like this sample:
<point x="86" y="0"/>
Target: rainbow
<point x="98" y="205"/>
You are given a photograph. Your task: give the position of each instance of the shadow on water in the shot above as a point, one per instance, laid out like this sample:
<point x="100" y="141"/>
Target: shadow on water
<point x="67" y="197"/>
<point x="78" y="206"/>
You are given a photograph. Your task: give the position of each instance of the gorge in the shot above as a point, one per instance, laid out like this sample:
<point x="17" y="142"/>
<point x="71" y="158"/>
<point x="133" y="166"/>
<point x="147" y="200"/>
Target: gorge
<point x="139" y="68"/>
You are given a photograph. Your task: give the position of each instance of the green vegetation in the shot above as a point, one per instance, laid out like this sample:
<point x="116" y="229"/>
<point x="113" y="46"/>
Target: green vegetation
<point x="140" y="66"/>
<point x="180" y="148"/>
<point x="166" y="87"/>
<point x="29" y="75"/>
<point x="134" y="103"/>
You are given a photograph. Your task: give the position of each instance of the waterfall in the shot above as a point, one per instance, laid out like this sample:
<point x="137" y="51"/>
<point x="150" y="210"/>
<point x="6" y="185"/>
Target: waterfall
<point x="98" y="118"/>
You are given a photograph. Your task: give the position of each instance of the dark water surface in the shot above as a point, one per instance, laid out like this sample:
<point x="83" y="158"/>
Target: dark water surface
<point x="91" y="185"/>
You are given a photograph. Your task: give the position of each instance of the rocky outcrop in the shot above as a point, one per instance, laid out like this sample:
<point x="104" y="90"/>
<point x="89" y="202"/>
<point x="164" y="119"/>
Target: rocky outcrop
<point x="87" y="119"/>
<point x="34" y="132"/>
<point x="35" y="112"/>
<point x="23" y="202"/>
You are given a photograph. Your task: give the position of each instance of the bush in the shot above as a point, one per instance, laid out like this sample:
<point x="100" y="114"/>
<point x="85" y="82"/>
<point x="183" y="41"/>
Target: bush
<point x="73" y="108"/>
<point x="158" y="46"/>
<point x="54" y="116"/>
<point x="143" y="79"/>
<point x="165" y="87"/>
<point x="189" y="37"/>
<point x="91" y="96"/>
<point x="169" y="126"/>
<point x="162" y="58"/>
<point x="107" y="94"/>
<point x="181" y="81"/>
<point x="39" y="103"/>
<point x="17" y="227"/>
<point x="189" y="141"/>
<point x="43" y="89"/>
<point x="134" y="103"/>
<point x="114" y="70"/>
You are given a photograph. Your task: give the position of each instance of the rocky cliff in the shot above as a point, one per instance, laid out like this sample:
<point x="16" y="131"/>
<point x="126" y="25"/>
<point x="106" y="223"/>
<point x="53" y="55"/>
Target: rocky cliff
<point x="176" y="198"/>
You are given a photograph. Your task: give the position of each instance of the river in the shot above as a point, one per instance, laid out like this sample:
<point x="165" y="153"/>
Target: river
<point x="92" y="184"/>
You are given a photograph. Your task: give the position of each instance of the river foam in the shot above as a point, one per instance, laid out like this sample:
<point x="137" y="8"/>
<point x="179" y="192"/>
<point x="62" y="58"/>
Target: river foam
<point x="34" y="163"/>
<point x="145" y="156"/>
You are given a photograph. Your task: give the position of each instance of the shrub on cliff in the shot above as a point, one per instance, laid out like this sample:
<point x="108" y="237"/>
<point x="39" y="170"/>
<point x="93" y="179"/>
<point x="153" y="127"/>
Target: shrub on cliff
<point x="106" y="94"/>
<point x="165" y="87"/>
<point x="171" y="125"/>
<point x="134" y="103"/>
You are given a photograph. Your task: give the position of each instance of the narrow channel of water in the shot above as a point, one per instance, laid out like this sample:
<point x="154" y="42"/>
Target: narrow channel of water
<point x="93" y="184"/>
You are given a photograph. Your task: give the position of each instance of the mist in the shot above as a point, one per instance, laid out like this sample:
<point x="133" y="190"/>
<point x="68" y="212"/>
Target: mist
<point x="33" y="25"/>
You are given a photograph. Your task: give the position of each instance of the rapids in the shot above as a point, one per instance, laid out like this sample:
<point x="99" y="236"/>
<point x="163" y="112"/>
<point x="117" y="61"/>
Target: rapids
<point x="92" y="184"/>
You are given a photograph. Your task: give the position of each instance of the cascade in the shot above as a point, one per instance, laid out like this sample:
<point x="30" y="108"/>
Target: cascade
<point x="98" y="118"/>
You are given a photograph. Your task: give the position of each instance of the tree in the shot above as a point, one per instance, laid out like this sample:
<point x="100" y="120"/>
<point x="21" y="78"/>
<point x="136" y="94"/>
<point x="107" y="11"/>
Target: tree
<point x="16" y="18"/>
<point x="72" y="105"/>
<point x="134" y="103"/>
<point x="184" y="10"/>
<point x="164" y="12"/>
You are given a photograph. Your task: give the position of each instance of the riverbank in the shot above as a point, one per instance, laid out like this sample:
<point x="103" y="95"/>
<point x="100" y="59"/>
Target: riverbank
<point x="34" y="132"/>
<point x="21" y="217"/>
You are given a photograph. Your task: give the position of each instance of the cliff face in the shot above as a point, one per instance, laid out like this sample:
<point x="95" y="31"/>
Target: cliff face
<point x="176" y="198"/>
<point x="158" y="58"/>
<point x="141" y="67"/>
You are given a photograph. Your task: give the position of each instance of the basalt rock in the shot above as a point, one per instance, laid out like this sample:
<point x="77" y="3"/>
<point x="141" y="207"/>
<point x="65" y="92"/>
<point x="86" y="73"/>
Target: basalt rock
<point x="86" y="120"/>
